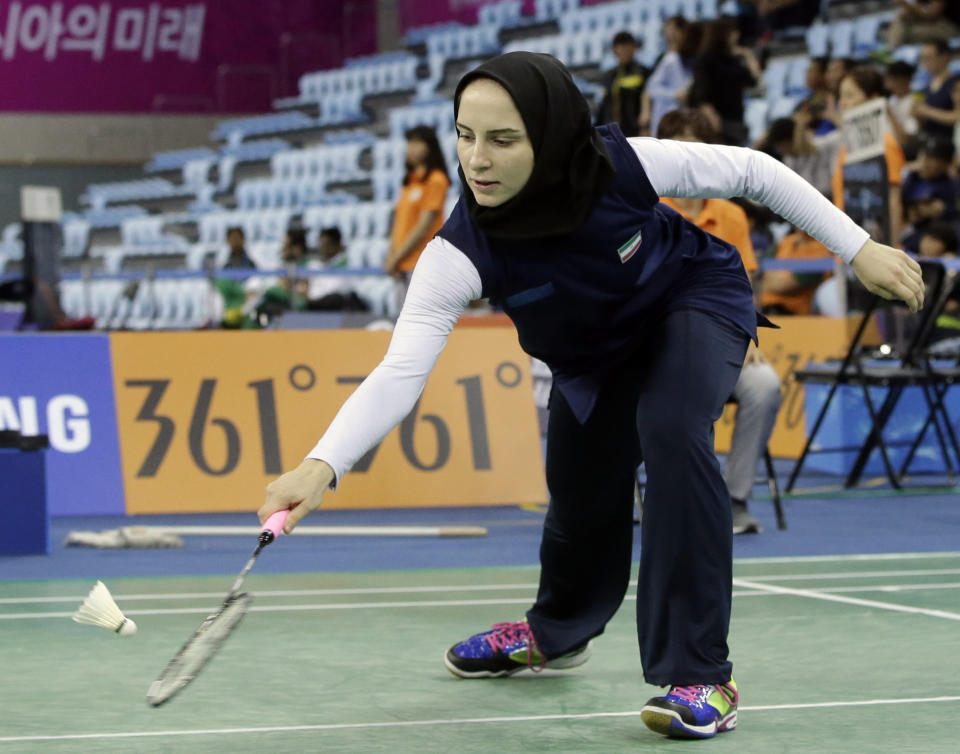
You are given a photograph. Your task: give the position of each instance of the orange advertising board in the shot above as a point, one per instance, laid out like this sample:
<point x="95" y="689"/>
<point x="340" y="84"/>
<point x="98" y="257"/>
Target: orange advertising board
<point x="799" y="341"/>
<point x="207" y="420"/>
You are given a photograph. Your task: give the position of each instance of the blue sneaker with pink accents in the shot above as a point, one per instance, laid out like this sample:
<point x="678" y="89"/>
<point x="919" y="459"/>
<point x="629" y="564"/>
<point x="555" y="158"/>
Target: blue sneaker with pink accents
<point x="505" y="649"/>
<point x="693" y="711"/>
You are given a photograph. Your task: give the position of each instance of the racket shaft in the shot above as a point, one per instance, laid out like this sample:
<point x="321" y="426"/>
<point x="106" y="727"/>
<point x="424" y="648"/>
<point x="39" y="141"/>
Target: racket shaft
<point x="235" y="589"/>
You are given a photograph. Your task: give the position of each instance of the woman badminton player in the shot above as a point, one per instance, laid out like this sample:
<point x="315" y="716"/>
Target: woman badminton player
<point x="644" y="321"/>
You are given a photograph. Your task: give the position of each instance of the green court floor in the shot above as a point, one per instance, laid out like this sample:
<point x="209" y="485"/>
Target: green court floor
<point x="845" y="654"/>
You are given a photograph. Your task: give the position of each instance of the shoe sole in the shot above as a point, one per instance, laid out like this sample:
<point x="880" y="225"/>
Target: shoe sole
<point x="559" y="663"/>
<point x="669" y="723"/>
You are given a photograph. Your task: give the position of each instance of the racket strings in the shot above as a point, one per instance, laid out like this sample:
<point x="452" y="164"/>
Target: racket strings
<point x="199" y="649"/>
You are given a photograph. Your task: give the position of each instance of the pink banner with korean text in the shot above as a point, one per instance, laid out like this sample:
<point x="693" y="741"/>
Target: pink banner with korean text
<point x="171" y="55"/>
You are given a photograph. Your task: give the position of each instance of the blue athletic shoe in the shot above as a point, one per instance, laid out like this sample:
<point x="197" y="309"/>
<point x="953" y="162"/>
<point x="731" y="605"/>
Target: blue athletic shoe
<point x="693" y="711"/>
<point x="505" y="649"/>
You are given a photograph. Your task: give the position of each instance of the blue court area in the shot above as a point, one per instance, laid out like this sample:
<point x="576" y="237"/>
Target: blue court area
<point x="843" y="638"/>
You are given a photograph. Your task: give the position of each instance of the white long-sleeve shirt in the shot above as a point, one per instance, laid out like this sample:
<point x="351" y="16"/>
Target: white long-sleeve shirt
<point x="445" y="280"/>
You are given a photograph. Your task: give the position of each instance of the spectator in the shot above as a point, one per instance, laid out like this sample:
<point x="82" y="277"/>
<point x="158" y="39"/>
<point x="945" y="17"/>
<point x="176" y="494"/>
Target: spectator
<point x="288" y="293"/>
<point x="419" y="211"/>
<point x="238" y="259"/>
<point x="939" y="239"/>
<point x="668" y="84"/>
<point x="816" y="81"/>
<point x="857" y="87"/>
<point x="935" y="113"/>
<point x="623" y="87"/>
<point x="721" y="74"/>
<point x="921" y="21"/>
<point x="788" y="292"/>
<point x="900" y="102"/>
<point x="330" y="248"/>
<point x="294" y="249"/>
<point x="837" y="68"/>
<point x="792" y="141"/>
<point x="332" y="292"/>
<point x="929" y="192"/>
<point x="757" y="391"/>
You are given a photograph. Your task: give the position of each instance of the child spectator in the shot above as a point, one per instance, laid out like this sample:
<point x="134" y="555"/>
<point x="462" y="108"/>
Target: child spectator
<point x="929" y="192"/>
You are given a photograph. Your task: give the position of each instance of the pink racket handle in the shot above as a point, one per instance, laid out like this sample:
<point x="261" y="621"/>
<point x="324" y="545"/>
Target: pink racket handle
<point x="273" y="526"/>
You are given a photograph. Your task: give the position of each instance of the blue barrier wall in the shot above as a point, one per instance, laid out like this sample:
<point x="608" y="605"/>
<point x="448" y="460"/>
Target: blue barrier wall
<point x="62" y="386"/>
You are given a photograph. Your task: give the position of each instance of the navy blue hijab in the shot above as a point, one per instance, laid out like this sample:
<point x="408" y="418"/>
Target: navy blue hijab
<point x="571" y="168"/>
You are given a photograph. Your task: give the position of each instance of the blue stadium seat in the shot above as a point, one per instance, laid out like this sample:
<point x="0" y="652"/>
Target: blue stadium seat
<point x="546" y="10"/>
<point x="176" y="159"/>
<point x="235" y="131"/>
<point x="11" y="245"/>
<point x="818" y="39"/>
<point x="866" y="32"/>
<point x="73" y="298"/>
<point x="841" y="39"/>
<point x="76" y="233"/>
<point x="438" y="114"/>
<point x="755" y="116"/>
<point x="504" y="14"/>
<point x="466" y="42"/>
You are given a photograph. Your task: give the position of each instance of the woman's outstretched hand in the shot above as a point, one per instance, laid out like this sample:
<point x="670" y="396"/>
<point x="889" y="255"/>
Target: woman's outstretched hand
<point x="889" y="273"/>
<point x="299" y="491"/>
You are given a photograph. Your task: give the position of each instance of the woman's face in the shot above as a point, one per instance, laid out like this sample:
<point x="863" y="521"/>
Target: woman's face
<point x="493" y="146"/>
<point x="417" y="152"/>
<point x="851" y="95"/>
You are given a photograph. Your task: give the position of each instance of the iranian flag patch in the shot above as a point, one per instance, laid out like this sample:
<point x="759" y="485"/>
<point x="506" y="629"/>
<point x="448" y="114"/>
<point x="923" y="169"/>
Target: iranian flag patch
<point x="630" y="247"/>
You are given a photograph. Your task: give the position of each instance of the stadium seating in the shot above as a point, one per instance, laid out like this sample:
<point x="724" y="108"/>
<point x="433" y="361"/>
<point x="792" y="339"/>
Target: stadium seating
<point x="235" y="131"/>
<point x="504" y="14"/>
<point x="176" y="159"/>
<point x="465" y="42"/>
<point x="11" y="245"/>
<point x="369" y="158"/>
<point x="437" y="113"/>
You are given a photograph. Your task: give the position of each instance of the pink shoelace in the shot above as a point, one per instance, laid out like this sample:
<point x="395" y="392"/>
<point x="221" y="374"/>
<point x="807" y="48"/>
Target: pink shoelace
<point x="504" y="635"/>
<point x="698" y="694"/>
<point x="690" y="693"/>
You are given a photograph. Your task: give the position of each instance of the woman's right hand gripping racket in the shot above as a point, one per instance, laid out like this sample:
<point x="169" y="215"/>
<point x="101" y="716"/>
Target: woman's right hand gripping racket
<point x="214" y="631"/>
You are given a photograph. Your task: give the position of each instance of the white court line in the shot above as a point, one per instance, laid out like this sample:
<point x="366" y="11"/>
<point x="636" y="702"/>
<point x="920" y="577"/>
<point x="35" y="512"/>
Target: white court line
<point x="290" y="593"/>
<point x="461" y="721"/>
<point x="452" y="587"/>
<point x="757" y="590"/>
<point x="849" y="558"/>
<point x="855" y="575"/>
<point x="820" y="595"/>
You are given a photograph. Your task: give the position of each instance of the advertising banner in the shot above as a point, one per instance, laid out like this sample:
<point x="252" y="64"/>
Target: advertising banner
<point x="207" y="420"/>
<point x="61" y="386"/>
<point x="171" y="55"/>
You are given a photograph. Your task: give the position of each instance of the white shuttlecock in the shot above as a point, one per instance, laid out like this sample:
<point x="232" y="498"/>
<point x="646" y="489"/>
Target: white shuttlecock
<point x="99" y="609"/>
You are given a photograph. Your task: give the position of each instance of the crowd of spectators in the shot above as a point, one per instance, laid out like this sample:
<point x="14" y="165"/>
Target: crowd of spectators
<point x="709" y="70"/>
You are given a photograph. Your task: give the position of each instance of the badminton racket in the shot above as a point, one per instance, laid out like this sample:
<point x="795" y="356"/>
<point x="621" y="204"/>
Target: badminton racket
<point x="215" y="630"/>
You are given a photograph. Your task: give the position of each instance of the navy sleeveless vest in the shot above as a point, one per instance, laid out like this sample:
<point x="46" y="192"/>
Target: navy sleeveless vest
<point x="584" y="302"/>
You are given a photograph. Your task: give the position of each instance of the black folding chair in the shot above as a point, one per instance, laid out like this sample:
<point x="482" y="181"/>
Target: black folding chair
<point x="908" y="370"/>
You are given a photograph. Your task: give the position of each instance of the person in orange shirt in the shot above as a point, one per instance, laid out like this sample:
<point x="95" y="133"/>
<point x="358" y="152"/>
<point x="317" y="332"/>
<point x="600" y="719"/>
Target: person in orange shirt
<point x="786" y="292"/>
<point x="419" y="211"/>
<point x="858" y="86"/>
<point x="757" y="392"/>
